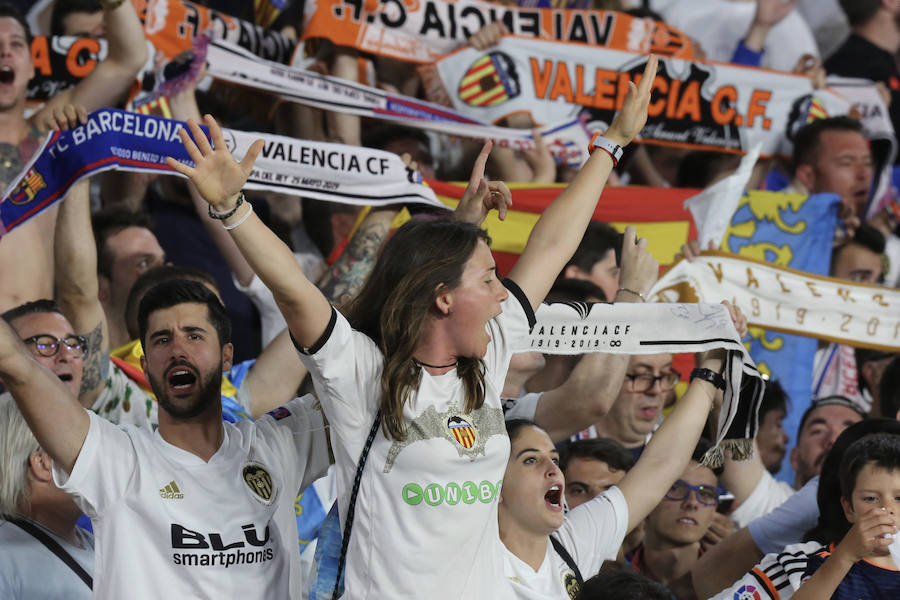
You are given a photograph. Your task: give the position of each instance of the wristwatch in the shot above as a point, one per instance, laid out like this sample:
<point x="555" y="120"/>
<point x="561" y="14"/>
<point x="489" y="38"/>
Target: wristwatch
<point x="709" y="375"/>
<point x="607" y="145"/>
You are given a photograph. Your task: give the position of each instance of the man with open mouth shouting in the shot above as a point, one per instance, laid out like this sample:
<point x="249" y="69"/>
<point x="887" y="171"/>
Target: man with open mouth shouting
<point x="20" y="137"/>
<point x="200" y="507"/>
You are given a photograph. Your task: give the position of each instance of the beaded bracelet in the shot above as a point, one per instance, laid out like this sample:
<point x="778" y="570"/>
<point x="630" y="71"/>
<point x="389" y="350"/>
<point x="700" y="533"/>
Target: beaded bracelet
<point x="221" y="216"/>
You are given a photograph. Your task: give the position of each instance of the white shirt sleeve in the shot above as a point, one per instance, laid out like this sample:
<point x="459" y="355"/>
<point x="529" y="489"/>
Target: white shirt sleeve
<point x="104" y="469"/>
<point x="271" y="321"/>
<point x="523" y="407"/>
<point x="766" y="496"/>
<point x="511" y="325"/>
<point x="297" y="431"/>
<point x="344" y="365"/>
<point x="789" y="521"/>
<point x="776" y="577"/>
<point x="594" y="531"/>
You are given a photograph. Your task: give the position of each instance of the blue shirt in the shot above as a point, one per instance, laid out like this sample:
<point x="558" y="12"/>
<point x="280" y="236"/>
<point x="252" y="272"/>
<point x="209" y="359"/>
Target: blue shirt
<point x="864" y="580"/>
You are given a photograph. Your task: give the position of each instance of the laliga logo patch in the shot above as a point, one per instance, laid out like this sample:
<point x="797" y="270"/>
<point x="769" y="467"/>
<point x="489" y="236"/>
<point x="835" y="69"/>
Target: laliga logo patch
<point x="491" y="80"/>
<point x="746" y="592"/>
<point x="260" y="482"/>
<point x="462" y="430"/>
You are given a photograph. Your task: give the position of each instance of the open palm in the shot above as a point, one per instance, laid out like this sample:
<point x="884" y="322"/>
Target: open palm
<point x="216" y="174"/>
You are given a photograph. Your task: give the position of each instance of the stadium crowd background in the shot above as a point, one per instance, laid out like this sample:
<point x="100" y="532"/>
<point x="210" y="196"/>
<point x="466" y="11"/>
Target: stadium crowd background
<point x="84" y="280"/>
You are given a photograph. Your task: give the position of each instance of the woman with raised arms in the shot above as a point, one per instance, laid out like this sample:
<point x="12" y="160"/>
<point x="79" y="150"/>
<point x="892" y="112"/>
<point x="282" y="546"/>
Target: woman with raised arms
<point x="426" y="345"/>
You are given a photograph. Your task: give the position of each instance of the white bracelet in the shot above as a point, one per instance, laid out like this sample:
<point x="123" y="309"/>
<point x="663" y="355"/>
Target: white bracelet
<point x="241" y="220"/>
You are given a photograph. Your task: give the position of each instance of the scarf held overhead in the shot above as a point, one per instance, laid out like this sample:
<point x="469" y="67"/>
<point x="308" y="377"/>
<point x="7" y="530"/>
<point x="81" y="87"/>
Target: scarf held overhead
<point x="170" y="27"/>
<point x="114" y="139"/>
<point x="566" y="139"/>
<point x="578" y="327"/>
<point x="695" y="104"/>
<point x="791" y="301"/>
<point x="423" y="31"/>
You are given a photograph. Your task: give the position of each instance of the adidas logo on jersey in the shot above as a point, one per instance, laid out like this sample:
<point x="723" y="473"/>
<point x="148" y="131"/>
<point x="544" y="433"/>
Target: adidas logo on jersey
<point x="171" y="492"/>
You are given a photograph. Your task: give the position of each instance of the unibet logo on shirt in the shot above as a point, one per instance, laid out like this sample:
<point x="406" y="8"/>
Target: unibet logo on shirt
<point x="171" y="492"/>
<point x="451" y="494"/>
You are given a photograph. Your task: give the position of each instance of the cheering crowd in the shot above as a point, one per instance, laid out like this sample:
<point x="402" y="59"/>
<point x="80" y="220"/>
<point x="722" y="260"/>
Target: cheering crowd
<point x="218" y="381"/>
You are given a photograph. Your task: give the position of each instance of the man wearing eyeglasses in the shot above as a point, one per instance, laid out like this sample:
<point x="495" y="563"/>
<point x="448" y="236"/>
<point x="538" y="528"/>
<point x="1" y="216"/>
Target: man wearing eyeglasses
<point x="49" y="336"/>
<point x="52" y="341"/>
<point x="637" y="409"/>
<point x="673" y="530"/>
<point x="27" y="568"/>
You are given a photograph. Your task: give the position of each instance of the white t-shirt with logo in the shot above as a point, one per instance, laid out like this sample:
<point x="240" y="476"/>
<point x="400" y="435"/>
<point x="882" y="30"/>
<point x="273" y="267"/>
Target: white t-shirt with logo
<point x="169" y="525"/>
<point x="591" y="533"/>
<point x="426" y="515"/>
<point x="30" y="571"/>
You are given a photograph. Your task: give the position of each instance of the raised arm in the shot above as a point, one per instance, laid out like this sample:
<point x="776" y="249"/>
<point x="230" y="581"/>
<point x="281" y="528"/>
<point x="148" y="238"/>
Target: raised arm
<point x="77" y="286"/>
<point x="669" y="451"/>
<point x="742" y="476"/>
<point x="556" y="235"/>
<point x="724" y="563"/>
<point x="58" y="422"/>
<point x="107" y="84"/>
<point x="594" y="383"/>
<point x="219" y="179"/>
<point x="670" y="448"/>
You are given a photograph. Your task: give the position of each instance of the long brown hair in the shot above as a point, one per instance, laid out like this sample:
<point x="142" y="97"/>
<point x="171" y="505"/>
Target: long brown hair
<point x="396" y="300"/>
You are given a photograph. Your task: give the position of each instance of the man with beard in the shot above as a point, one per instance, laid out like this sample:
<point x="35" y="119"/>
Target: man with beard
<point x="148" y="494"/>
<point x="757" y="492"/>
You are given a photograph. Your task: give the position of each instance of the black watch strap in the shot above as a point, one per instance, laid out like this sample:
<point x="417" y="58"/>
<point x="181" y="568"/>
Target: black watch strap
<point x="709" y="375"/>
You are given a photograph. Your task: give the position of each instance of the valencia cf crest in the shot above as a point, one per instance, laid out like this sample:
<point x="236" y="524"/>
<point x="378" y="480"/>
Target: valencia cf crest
<point x="463" y="431"/>
<point x="804" y="111"/>
<point x="571" y="584"/>
<point x="260" y="482"/>
<point x="491" y="80"/>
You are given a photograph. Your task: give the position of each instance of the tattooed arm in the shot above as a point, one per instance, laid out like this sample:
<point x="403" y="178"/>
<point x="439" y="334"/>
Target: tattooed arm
<point x="269" y="387"/>
<point x="76" y="285"/>
<point x="344" y="278"/>
<point x="26" y="275"/>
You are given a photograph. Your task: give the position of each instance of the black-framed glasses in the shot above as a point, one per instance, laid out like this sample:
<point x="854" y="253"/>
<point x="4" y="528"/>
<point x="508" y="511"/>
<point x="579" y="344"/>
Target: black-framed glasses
<point x="706" y="494"/>
<point x="643" y="382"/>
<point x="48" y="345"/>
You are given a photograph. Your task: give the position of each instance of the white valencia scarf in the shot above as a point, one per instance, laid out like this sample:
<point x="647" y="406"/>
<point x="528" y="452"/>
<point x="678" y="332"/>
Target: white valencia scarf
<point x="655" y="328"/>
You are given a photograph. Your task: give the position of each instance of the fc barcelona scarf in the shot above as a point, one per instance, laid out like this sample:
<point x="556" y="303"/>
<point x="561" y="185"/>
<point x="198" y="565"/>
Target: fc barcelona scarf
<point x="655" y="328"/>
<point x="114" y="139"/>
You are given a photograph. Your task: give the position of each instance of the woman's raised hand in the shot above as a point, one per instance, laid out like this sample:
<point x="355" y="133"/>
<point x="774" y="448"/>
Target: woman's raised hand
<point x="633" y="115"/>
<point x="216" y="174"/>
<point x="482" y="196"/>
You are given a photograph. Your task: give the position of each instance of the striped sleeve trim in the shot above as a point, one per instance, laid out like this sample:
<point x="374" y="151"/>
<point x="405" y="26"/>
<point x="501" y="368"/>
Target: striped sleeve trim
<point x="766" y="583"/>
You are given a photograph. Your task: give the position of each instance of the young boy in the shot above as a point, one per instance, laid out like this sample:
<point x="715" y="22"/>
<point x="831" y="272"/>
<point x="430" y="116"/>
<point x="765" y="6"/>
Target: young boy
<point x="849" y="556"/>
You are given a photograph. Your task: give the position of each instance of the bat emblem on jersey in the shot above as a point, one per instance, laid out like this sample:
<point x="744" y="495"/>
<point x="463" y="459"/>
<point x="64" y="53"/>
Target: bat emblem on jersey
<point x="467" y="432"/>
